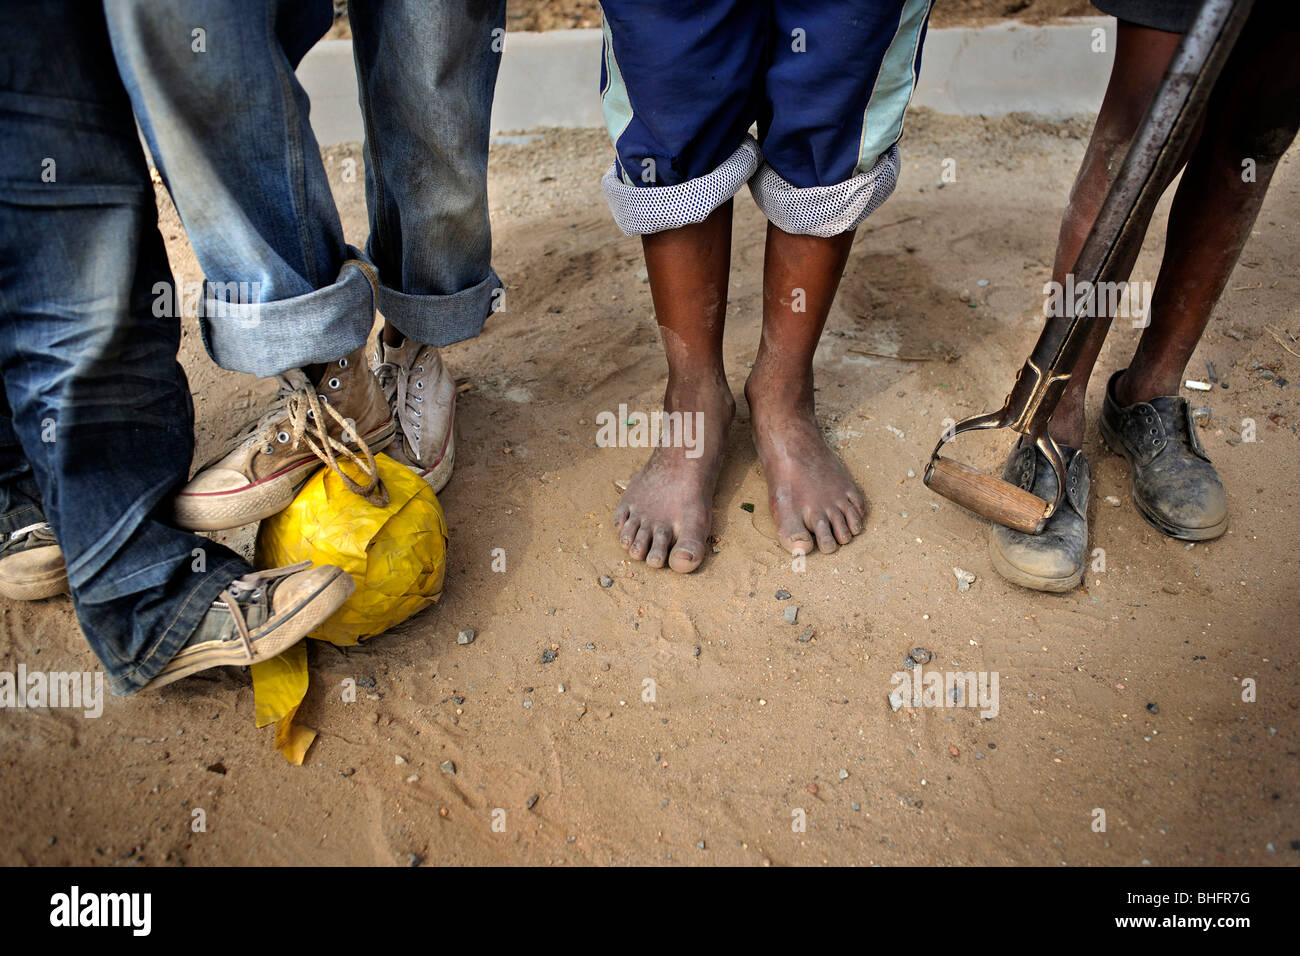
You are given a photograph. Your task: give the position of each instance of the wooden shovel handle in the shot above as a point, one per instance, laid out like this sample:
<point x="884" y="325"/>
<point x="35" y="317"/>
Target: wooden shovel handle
<point x="993" y="498"/>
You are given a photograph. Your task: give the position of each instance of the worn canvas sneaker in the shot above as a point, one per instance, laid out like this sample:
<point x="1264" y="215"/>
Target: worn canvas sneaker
<point x="31" y="564"/>
<point x="422" y="396"/>
<point x="258" y="616"/>
<point x="344" y="414"/>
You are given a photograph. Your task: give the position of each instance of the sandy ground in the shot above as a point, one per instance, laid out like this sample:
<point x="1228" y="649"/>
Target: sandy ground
<point x="749" y="727"/>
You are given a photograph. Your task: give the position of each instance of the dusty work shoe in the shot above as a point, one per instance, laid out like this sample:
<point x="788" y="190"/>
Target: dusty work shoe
<point x="343" y="414"/>
<point x="1174" y="485"/>
<point x="1053" y="560"/>
<point x="31" y="564"/>
<point x="258" y="616"/>
<point x="422" y="396"/>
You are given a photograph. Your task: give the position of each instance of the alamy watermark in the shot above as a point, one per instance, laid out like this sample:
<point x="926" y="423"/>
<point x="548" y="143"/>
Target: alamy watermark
<point x="651" y="430"/>
<point x="1100" y="300"/>
<point x="79" y="690"/>
<point x="935" y="688"/>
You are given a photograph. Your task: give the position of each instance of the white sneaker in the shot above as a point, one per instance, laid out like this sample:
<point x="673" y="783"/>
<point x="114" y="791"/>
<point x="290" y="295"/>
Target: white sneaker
<point x="422" y="396"/>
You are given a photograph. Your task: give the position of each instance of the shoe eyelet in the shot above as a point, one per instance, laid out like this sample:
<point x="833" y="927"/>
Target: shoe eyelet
<point x="419" y="398"/>
<point x="419" y="384"/>
<point x="334" y="383"/>
<point x="343" y="363"/>
<point x="324" y="398"/>
<point x="282" y="437"/>
<point x="419" y="368"/>
<point x="268" y="450"/>
<point x="1153" y="431"/>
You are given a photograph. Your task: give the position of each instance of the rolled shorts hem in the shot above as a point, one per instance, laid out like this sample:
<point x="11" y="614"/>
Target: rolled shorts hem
<point x="268" y="338"/>
<point x="644" y="210"/>
<point x="441" y="320"/>
<point x="825" y="211"/>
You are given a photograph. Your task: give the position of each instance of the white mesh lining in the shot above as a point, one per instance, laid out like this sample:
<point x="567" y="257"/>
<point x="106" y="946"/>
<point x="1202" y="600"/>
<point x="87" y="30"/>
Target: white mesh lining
<point x="640" y="210"/>
<point x="825" y="210"/>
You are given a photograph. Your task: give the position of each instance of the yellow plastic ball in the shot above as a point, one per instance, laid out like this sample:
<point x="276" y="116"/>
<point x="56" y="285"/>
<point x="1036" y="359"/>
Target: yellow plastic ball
<point x="396" y="555"/>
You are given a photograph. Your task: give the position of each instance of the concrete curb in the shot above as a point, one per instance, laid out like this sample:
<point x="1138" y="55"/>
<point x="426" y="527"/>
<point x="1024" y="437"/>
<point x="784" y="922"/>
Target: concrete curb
<point x="551" y="79"/>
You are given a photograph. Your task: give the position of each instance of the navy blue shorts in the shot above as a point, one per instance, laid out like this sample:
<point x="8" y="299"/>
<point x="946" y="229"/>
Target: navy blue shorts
<point x="826" y="82"/>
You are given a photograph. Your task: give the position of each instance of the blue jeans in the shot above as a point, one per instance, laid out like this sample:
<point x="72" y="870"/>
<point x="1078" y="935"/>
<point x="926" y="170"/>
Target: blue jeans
<point x="96" y="423"/>
<point x="226" y="120"/>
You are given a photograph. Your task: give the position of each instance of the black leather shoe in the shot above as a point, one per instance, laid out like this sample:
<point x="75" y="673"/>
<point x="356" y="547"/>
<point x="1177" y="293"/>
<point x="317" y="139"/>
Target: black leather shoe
<point x="1174" y="485"/>
<point x="1055" y="559"/>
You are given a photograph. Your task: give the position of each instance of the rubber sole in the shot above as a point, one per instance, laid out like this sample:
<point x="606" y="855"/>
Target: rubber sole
<point x="218" y="511"/>
<point x="279" y="634"/>
<point x="36" y="587"/>
<point x="1033" y="581"/>
<point x="1145" y="510"/>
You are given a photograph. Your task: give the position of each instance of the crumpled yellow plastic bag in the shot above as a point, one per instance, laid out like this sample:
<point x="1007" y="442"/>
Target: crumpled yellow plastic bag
<point x="396" y="555"/>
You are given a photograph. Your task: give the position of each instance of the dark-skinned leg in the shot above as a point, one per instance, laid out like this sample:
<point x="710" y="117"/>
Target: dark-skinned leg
<point x="1141" y="56"/>
<point x="1253" y="116"/>
<point x="666" y="513"/>
<point x="812" y="495"/>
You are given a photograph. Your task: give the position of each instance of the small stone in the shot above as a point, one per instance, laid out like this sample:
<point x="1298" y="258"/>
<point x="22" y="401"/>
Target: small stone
<point x="413" y="778"/>
<point x="791" y="614"/>
<point x="982" y="283"/>
<point x="1202" y="416"/>
<point x="591" y="646"/>
<point x="528" y="705"/>
<point x="964" y="579"/>
<point x="1153" y="708"/>
<point x="606" y="581"/>
<point x="844" y="774"/>
<point x="365" y="682"/>
<point x="532" y="801"/>
<point x="806" y="636"/>
<point x="896" y="698"/>
<point x="783" y="595"/>
<point x="699" y="845"/>
<point x="953" y="751"/>
<point x="920" y="655"/>
<point x="549" y="655"/>
<point x="1112" y="501"/>
<point x="466" y="636"/>
<point x="696" y="650"/>
<point x="855" y="805"/>
<point x="398" y="759"/>
<point x="448" y="767"/>
<point x="413" y="859"/>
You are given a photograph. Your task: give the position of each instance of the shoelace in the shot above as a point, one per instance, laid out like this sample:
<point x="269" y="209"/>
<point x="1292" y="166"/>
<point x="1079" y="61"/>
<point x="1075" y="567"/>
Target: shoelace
<point x="395" y="381"/>
<point x="40" y="528"/>
<point x="299" y="400"/>
<point x="251" y="583"/>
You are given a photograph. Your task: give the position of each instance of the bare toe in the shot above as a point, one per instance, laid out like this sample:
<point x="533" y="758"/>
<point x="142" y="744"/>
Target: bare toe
<point x="663" y="540"/>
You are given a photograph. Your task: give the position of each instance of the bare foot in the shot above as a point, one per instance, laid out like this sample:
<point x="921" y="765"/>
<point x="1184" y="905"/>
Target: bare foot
<point x="813" y="497"/>
<point x="667" y="511"/>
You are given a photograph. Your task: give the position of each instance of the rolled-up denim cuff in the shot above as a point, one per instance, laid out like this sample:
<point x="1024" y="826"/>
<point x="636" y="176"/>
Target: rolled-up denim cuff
<point x="642" y="210"/>
<point x="441" y="320"/>
<point x="825" y="210"/>
<point x="21" y="517"/>
<point x="190" y="610"/>
<point x="267" y="338"/>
